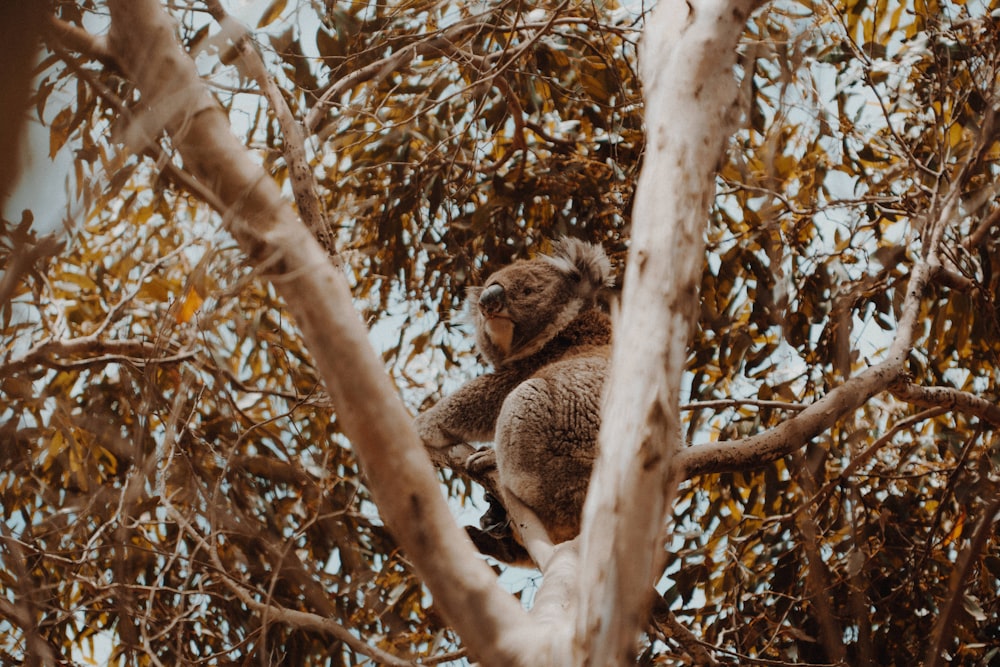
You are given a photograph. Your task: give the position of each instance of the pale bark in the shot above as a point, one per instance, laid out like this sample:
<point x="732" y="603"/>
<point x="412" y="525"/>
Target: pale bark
<point x="687" y="70"/>
<point x="380" y="429"/>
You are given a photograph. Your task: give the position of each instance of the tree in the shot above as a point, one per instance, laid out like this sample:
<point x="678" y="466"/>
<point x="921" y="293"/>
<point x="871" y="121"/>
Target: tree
<point x="200" y="450"/>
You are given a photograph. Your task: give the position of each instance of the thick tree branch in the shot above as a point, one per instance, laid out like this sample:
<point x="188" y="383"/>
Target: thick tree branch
<point x="373" y="418"/>
<point x="792" y="434"/>
<point x="757" y="450"/>
<point x="689" y="50"/>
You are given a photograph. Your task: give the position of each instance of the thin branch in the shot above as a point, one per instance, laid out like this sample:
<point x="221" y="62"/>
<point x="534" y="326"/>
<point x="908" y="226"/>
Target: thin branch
<point x="38" y="650"/>
<point x="430" y="45"/>
<point x="294" y="618"/>
<point x="302" y="178"/>
<point x="949" y="398"/>
<point x="87" y="351"/>
<point x="763" y="448"/>
<point x="982" y="230"/>
<point x="738" y="402"/>
<point x="670" y="627"/>
<point x="75" y="38"/>
<point x="862" y="458"/>
<point x="444" y="42"/>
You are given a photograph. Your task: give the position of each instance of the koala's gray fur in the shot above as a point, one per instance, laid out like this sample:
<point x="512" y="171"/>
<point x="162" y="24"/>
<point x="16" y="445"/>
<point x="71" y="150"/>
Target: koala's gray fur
<point x="538" y="325"/>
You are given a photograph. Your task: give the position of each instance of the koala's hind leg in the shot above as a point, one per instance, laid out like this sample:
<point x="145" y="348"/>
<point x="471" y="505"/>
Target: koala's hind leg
<point x="546" y="442"/>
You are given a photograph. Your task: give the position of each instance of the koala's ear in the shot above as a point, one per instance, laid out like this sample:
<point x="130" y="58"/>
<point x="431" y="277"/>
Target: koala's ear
<point x="586" y="260"/>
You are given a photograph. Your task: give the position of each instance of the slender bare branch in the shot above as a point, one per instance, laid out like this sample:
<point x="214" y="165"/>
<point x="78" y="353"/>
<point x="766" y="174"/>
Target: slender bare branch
<point x="88" y="351"/>
<point x="430" y="45"/>
<point x="982" y="230"/>
<point x="290" y="617"/>
<point x="790" y="435"/>
<point x="731" y="456"/>
<point x="294" y="145"/>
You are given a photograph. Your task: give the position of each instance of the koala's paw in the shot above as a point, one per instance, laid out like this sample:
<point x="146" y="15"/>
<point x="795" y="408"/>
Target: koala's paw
<point x="495" y="519"/>
<point x="482" y="461"/>
<point x="500" y="545"/>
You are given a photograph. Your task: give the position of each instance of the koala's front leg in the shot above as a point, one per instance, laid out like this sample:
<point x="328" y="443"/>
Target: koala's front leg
<point x="468" y="415"/>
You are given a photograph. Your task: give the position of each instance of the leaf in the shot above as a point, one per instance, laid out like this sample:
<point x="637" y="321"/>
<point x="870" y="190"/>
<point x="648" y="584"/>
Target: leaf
<point x="956" y="531"/>
<point x="973" y="608"/>
<point x="59" y="131"/>
<point x="192" y="302"/>
<point x="272" y="13"/>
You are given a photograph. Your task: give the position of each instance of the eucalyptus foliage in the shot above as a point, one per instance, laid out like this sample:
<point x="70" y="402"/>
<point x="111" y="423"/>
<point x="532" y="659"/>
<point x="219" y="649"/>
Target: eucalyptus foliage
<point x="174" y="486"/>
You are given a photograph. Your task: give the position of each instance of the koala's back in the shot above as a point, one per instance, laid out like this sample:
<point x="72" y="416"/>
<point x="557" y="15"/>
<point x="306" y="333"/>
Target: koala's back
<point x="546" y="437"/>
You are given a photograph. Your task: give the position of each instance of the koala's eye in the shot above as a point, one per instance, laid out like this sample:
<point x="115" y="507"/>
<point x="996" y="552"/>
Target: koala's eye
<point x="527" y="290"/>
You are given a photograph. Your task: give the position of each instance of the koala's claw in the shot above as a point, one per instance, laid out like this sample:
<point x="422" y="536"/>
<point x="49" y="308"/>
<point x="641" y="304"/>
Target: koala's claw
<point x="482" y="461"/>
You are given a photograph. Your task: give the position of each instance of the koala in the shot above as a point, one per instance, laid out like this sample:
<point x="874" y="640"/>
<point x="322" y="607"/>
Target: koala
<point x="538" y="325"/>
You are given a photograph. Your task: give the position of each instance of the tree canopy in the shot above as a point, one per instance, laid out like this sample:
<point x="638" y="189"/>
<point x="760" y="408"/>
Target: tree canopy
<point x="176" y="486"/>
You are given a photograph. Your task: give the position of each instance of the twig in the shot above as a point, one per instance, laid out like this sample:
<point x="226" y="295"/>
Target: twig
<point x="668" y="624"/>
<point x="736" y="402"/>
<point x="292" y="617"/>
<point x="859" y="460"/>
<point x="51" y="353"/>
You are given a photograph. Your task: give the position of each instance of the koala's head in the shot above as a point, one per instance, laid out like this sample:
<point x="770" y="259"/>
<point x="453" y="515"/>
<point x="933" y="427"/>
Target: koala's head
<point x="523" y="306"/>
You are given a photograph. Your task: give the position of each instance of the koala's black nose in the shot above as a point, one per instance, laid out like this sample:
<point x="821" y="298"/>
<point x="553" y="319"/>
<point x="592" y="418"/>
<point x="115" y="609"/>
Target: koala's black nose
<point x="492" y="299"/>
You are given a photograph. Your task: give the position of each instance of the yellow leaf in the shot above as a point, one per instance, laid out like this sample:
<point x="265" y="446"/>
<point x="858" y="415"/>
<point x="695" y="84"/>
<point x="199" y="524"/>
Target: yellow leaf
<point x="272" y="13"/>
<point x="956" y="531"/>
<point x="192" y="302"/>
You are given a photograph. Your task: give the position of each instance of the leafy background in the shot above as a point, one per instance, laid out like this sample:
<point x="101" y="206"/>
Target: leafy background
<point x="173" y="476"/>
